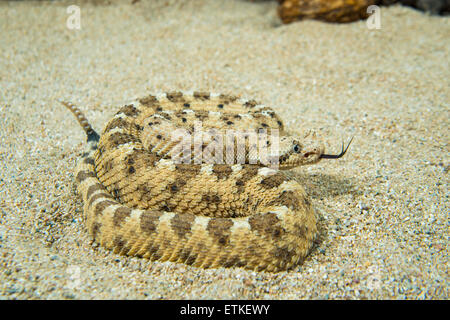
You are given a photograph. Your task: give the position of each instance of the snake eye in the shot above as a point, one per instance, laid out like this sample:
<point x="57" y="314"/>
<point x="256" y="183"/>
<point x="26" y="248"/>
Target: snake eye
<point x="296" y="148"/>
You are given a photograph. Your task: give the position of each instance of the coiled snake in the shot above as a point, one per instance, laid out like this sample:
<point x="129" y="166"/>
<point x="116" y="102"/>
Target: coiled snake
<point x="139" y="201"/>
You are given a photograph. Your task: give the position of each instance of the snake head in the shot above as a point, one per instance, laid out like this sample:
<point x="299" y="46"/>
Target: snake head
<point x="295" y="151"/>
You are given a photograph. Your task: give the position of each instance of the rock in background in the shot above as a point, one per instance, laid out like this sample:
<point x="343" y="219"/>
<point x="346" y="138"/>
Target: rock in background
<point x="348" y="10"/>
<point x="325" y="10"/>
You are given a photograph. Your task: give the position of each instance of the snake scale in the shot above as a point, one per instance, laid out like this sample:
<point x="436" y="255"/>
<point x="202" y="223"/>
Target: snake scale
<point x="138" y="201"/>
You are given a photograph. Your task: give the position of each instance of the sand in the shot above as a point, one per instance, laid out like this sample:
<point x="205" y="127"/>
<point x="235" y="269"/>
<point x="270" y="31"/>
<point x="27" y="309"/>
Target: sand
<point x="383" y="208"/>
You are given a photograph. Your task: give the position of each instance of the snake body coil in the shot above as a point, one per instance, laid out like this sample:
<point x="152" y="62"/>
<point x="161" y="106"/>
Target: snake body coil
<point x="138" y="201"/>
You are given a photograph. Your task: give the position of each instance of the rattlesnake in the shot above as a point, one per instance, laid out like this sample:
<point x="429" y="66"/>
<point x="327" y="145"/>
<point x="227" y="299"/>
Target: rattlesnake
<point x="140" y="202"/>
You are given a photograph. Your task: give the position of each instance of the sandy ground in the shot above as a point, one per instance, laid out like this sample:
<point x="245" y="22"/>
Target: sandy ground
<point x="384" y="209"/>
